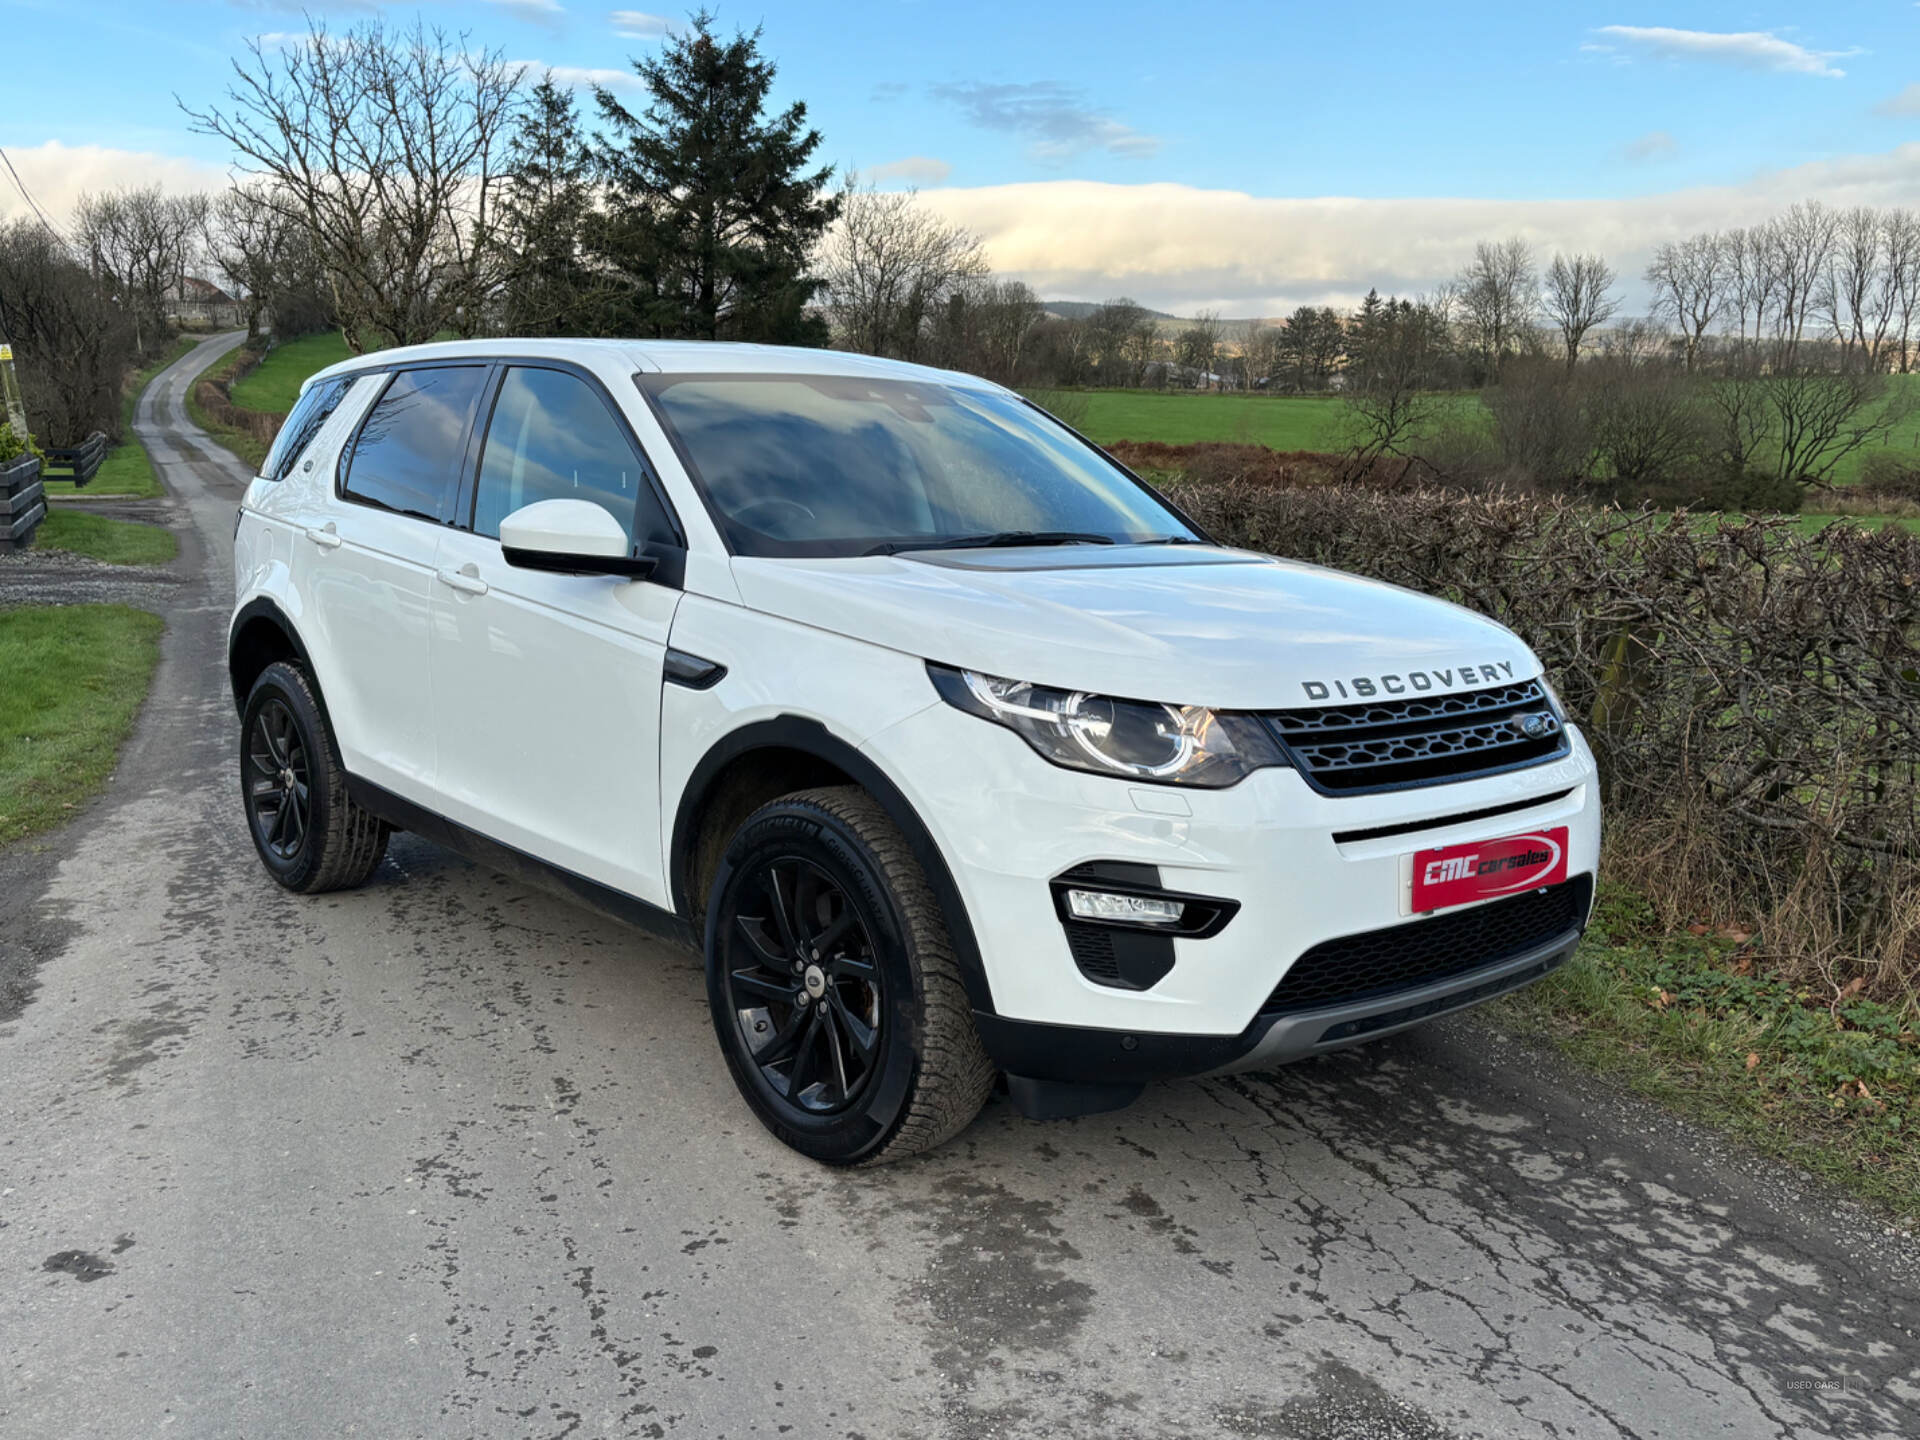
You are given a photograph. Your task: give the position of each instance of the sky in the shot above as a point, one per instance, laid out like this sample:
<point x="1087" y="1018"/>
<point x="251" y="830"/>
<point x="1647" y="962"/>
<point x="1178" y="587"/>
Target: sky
<point x="1242" y="157"/>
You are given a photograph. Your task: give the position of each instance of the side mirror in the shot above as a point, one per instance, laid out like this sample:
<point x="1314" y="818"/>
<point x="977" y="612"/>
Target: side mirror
<point x="570" y="537"/>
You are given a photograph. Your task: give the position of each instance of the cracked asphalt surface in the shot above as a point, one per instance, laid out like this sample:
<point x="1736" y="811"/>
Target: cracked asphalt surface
<point x="445" y="1156"/>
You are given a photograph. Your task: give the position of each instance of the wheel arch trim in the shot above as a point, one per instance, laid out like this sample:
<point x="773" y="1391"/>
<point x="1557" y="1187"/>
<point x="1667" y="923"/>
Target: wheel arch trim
<point x="267" y="609"/>
<point x="810" y="737"/>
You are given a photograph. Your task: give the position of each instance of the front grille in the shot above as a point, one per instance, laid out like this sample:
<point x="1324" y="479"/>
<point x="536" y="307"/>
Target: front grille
<point x="1419" y="952"/>
<point x="1391" y="744"/>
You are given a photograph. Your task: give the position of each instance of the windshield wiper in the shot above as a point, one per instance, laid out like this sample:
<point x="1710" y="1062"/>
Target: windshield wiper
<point x="997" y="540"/>
<point x="1169" y="540"/>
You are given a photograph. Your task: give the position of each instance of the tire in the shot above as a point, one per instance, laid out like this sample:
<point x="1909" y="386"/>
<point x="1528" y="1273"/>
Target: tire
<point x="293" y="788"/>
<point x="875" y="961"/>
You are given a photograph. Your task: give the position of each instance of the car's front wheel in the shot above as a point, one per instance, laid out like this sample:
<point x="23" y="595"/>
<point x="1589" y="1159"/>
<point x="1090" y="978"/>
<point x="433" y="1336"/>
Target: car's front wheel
<point x="833" y="986"/>
<point x="310" y="834"/>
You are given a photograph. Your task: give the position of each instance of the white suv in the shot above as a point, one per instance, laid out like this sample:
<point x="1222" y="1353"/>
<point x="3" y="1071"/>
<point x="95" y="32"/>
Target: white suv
<point x="955" y="746"/>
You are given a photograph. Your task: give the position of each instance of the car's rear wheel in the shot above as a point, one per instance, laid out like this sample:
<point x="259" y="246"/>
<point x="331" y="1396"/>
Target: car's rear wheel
<point x="833" y="986"/>
<point x="308" y="832"/>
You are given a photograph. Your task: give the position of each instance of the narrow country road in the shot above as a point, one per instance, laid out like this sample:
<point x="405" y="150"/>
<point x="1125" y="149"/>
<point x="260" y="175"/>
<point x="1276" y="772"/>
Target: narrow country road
<point x="446" y="1157"/>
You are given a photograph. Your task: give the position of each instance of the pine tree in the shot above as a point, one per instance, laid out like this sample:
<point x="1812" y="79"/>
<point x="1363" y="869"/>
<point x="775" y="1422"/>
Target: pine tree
<point x="711" y="213"/>
<point x="543" y="212"/>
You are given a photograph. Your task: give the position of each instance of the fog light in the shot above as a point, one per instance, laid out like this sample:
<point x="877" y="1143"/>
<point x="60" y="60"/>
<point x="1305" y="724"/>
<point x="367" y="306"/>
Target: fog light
<point x="1129" y="909"/>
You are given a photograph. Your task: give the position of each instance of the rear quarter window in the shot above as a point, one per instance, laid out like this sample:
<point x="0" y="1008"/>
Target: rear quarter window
<point x="297" y="432"/>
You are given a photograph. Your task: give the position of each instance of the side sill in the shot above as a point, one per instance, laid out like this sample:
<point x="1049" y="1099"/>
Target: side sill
<point x="403" y="814"/>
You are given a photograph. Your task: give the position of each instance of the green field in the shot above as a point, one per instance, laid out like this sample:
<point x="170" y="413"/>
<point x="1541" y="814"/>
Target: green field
<point x="118" y="542"/>
<point x="76" y="675"/>
<point x="275" y="385"/>
<point x="1293" y="422"/>
<point x="1290" y="422"/>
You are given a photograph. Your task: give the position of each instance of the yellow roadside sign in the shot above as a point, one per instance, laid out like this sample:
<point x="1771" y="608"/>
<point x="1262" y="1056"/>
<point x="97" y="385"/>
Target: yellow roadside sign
<point x="6" y="352"/>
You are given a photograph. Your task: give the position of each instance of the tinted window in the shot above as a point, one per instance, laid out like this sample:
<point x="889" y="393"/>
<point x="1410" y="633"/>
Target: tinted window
<point x="314" y="409"/>
<point x="836" y="465"/>
<point x="407" y="455"/>
<point x="553" y="438"/>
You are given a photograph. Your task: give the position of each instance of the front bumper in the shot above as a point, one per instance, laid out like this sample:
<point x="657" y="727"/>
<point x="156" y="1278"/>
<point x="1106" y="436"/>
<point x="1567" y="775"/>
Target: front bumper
<point x="1302" y="867"/>
<point x="1072" y="1055"/>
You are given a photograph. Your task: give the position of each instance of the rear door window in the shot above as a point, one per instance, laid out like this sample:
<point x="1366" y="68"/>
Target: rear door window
<point x="408" y="453"/>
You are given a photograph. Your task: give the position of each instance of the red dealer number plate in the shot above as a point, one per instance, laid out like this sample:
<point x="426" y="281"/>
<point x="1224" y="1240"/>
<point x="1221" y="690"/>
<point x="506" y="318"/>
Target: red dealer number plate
<point x="1456" y="874"/>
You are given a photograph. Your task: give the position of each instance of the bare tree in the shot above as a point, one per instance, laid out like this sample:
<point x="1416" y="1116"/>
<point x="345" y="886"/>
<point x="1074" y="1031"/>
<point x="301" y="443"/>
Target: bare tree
<point x="142" y="243"/>
<point x="246" y="237"/>
<point x="1576" y="298"/>
<point x="888" y="263"/>
<point x="1498" y="293"/>
<point x="1007" y="313"/>
<point x="1690" y="280"/>
<point x="1818" y="417"/>
<point x="1856" y="292"/>
<point x="1258" y="353"/>
<point x="385" y="146"/>
<point x="1389" y="399"/>
<point x="1196" y="345"/>
<point x="1120" y="340"/>
<point x="74" y="341"/>
<point x="1797" y="247"/>
<point x="268" y="261"/>
<point x="1903" y="280"/>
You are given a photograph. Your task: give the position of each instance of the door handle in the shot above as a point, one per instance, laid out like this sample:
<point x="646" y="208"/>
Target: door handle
<point x="327" y="538"/>
<point x="466" y="580"/>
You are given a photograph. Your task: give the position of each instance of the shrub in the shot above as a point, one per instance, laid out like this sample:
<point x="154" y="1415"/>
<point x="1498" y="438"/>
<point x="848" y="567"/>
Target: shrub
<point x="1890" y="475"/>
<point x="1751" y="490"/>
<point x="1752" y="693"/>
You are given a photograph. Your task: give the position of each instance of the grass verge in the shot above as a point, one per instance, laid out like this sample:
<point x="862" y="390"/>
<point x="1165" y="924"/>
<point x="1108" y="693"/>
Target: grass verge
<point x="275" y="384"/>
<point x="118" y="542"/>
<point x="126" y="470"/>
<point x="249" y="447"/>
<point x="76" y="677"/>
<point x="1693" y="1023"/>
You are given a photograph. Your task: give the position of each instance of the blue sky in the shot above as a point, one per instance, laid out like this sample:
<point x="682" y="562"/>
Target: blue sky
<point x="1036" y="123"/>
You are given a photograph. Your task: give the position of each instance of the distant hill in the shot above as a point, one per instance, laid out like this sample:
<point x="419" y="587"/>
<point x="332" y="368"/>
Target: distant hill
<point x="1232" y="332"/>
<point x="1080" y="309"/>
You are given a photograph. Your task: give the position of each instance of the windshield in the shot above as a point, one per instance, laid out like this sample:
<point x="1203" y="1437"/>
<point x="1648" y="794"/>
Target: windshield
<point x="845" y="465"/>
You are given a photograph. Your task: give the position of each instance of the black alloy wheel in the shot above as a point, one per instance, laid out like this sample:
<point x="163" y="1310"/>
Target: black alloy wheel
<point x="833" y="986"/>
<point x="279" y="783"/>
<point x="803" y="985"/>
<point x="311" y="835"/>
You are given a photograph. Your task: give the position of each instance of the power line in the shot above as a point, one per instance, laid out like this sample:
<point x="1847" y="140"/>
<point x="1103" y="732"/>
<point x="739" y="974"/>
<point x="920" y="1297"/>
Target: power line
<point x="33" y="204"/>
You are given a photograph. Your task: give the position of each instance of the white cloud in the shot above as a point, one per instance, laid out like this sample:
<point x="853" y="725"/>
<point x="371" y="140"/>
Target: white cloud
<point x="638" y="25"/>
<point x="59" y="174"/>
<point x="914" y="169"/>
<point x="1178" y="248"/>
<point x="1747" y="49"/>
<point x="1907" y="102"/>
<point x="576" y="77"/>
<point x="548" y="14"/>
<point x="1654" y="145"/>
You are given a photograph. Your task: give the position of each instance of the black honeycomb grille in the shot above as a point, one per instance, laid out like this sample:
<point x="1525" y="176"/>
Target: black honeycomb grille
<point x="1093" y="952"/>
<point x="1419" y="952"/>
<point x="1352" y="749"/>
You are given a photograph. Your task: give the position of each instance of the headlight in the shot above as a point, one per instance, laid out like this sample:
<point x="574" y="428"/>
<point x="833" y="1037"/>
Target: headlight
<point x="1134" y="739"/>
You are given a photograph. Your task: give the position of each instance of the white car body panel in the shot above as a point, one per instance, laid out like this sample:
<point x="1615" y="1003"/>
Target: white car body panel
<point x="1184" y="625"/>
<point x="546" y="701"/>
